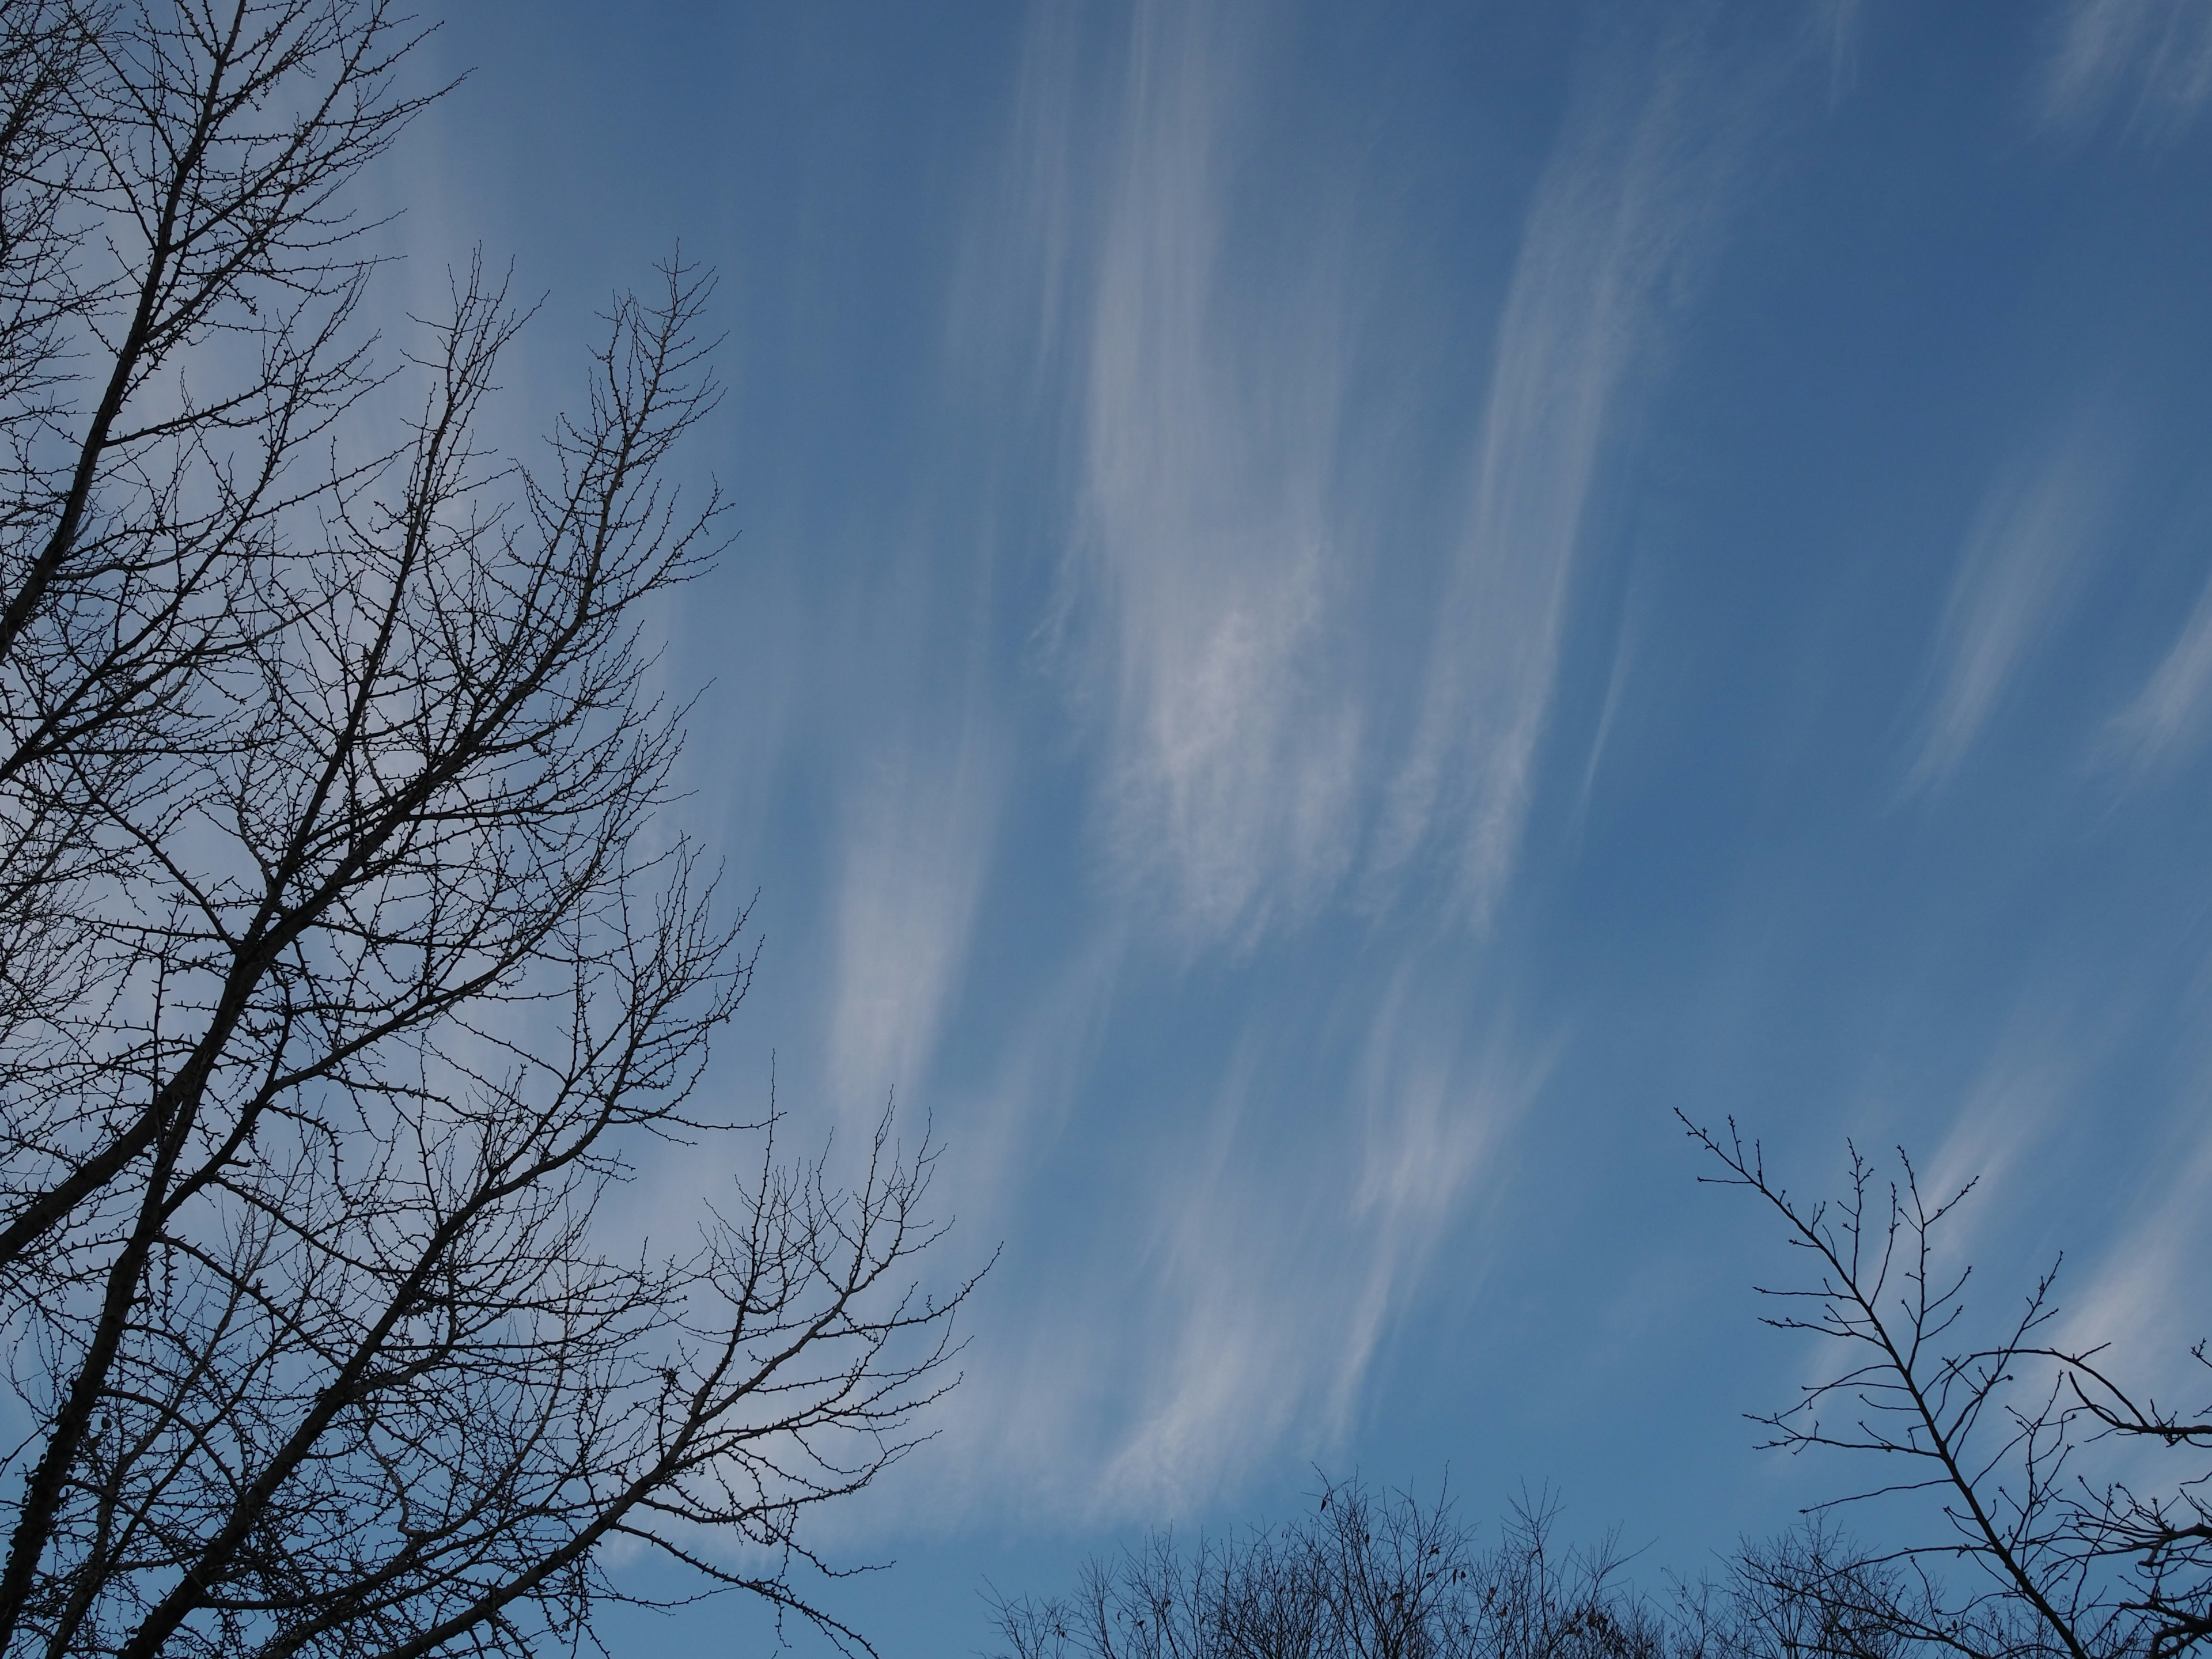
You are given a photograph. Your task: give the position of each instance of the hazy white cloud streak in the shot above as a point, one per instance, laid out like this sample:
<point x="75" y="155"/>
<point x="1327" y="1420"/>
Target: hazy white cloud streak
<point x="2151" y="58"/>
<point x="1622" y="212"/>
<point x="2167" y="717"/>
<point x="1270" y="1291"/>
<point x="920" y="829"/>
<point x="1272" y="1237"/>
<point x="2032" y="1077"/>
<point x="2145" y="1298"/>
<point x="1204" y="520"/>
<point x="2022" y="554"/>
<point x="1437" y="1111"/>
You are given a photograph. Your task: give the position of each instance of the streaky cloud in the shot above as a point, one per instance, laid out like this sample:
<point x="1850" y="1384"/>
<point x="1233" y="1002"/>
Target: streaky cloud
<point x="2033" y="1076"/>
<point x="2144" y="1298"/>
<point x="919" y="830"/>
<point x="1207" y="549"/>
<point x="1622" y="215"/>
<point x="1250" y="770"/>
<point x="2165" y="721"/>
<point x="2150" y="60"/>
<point x="1437" y="1113"/>
<point x="1235" y="1311"/>
<point x="2037" y="524"/>
<point x="1840" y="22"/>
<point x="1278" y="1298"/>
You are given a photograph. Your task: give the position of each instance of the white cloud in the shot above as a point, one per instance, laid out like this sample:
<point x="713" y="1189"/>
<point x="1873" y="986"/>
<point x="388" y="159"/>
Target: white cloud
<point x="2145" y="1298"/>
<point x="2151" y="58"/>
<point x="2028" y="1085"/>
<point x="2026" y="548"/>
<point x="1232" y="1310"/>
<point x="1278" y="1289"/>
<point x="919" y="830"/>
<point x="2167" y="716"/>
<point x="1616" y="683"/>
<point x="1264" y="1241"/>
<point x="1206" y="530"/>
<point x="1436" y="1116"/>
<point x="1046" y="1047"/>
<point x="1840" y="22"/>
<point x="1621" y="214"/>
<point x="1226" y="537"/>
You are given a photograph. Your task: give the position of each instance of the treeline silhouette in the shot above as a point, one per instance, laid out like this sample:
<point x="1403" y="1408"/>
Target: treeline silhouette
<point x="1382" y="1574"/>
<point x="2036" y="1508"/>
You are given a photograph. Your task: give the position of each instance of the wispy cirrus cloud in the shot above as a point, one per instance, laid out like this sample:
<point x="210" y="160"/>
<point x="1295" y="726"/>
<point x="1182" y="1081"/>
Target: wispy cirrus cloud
<point x="2039" y="523"/>
<point x="2166" y="719"/>
<point x="1253" y="767"/>
<point x="1209" y="541"/>
<point x="1840" y="22"/>
<point x="2034" y="1075"/>
<point x="1254" y="764"/>
<point x="2150" y="60"/>
<point x="918" y="833"/>
<point x="1240" y="1309"/>
<point x="1438" y="1106"/>
<point x="1628" y="205"/>
<point x="2143" y="1297"/>
<point x="1282" y="1293"/>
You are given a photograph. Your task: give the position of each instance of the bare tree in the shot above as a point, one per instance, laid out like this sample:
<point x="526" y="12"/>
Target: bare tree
<point x="2011" y="1438"/>
<point x="1810" y="1593"/>
<point x="1365" y="1575"/>
<point x="343" y="962"/>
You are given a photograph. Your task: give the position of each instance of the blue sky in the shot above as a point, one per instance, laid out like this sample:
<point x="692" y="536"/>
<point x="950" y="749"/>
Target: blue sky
<point x="1341" y="608"/>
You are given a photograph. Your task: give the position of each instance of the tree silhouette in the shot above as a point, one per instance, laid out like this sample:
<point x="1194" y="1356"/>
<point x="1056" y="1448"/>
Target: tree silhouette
<point x="343" y="962"/>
